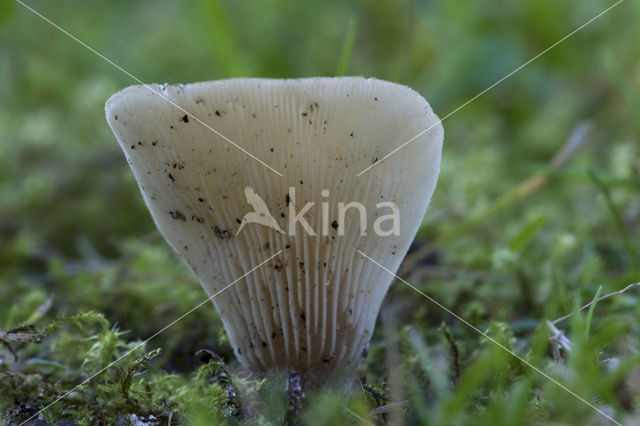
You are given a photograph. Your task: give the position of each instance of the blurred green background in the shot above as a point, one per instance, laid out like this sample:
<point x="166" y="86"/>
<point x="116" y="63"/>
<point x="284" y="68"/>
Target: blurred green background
<point x="510" y="239"/>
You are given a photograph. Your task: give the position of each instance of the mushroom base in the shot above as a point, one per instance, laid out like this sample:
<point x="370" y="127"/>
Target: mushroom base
<point x="342" y="380"/>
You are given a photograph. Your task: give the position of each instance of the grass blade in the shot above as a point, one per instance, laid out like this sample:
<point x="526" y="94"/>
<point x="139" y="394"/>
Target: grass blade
<point x="347" y="47"/>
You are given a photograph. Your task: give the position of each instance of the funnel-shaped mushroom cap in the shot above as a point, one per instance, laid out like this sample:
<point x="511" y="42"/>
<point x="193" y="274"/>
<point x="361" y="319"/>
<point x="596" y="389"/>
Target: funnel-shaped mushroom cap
<point x="313" y="307"/>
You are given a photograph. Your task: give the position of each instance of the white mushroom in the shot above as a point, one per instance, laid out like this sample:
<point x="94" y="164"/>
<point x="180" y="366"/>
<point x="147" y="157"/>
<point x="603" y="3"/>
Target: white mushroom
<point x="313" y="307"/>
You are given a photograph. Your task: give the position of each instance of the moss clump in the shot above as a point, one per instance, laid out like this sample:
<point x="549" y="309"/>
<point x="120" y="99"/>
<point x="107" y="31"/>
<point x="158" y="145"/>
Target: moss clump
<point x="83" y="370"/>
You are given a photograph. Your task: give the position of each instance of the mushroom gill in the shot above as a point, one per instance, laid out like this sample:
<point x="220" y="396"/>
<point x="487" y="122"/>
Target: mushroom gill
<point x="313" y="307"/>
